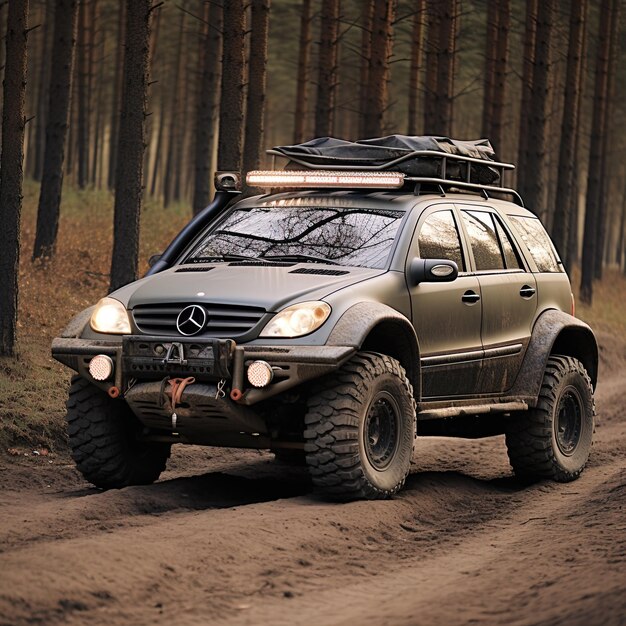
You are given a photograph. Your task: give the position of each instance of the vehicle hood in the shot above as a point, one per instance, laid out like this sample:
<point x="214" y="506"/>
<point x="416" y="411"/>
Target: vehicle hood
<point x="270" y="287"/>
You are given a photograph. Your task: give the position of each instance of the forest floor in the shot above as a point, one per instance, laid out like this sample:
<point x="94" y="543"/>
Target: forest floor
<point x="233" y="537"/>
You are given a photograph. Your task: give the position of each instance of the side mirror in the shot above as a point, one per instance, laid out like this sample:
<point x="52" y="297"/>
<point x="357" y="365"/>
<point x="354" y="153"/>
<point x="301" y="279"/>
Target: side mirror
<point x="432" y="271"/>
<point x="152" y="261"/>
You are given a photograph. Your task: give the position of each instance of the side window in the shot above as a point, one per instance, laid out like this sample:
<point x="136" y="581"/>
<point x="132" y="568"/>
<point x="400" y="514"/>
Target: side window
<point x="510" y="256"/>
<point x="481" y="231"/>
<point x="439" y="238"/>
<point x="538" y="243"/>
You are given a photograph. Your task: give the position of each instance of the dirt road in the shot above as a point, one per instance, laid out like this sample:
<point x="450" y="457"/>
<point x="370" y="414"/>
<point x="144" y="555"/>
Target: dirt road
<point x="232" y="537"/>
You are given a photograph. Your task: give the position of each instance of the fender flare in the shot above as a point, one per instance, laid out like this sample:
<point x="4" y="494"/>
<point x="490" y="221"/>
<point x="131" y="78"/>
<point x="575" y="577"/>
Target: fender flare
<point x="77" y="324"/>
<point x="378" y="327"/>
<point x="555" y="332"/>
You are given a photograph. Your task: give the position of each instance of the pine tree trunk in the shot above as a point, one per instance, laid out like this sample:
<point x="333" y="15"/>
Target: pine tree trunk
<point x="174" y="121"/>
<point x="327" y="69"/>
<point x="534" y="174"/>
<point x="131" y="144"/>
<point x="530" y="37"/>
<point x="255" y="104"/>
<point x="230" y="144"/>
<point x="433" y="31"/>
<point x="11" y="173"/>
<point x="496" y="133"/>
<point x="417" y="47"/>
<point x="65" y="20"/>
<point x="304" y="59"/>
<point x="3" y="29"/>
<point x="596" y="154"/>
<point x="377" y="92"/>
<point x="445" y="67"/>
<point x="565" y="211"/>
<point x="84" y="30"/>
<point x="43" y="96"/>
<point x="117" y="93"/>
<point x="368" y="8"/>
<point x="607" y="136"/>
<point x="206" y="107"/>
<point x="491" y="52"/>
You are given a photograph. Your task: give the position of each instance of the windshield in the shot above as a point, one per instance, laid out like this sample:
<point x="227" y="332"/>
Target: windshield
<point x="341" y="235"/>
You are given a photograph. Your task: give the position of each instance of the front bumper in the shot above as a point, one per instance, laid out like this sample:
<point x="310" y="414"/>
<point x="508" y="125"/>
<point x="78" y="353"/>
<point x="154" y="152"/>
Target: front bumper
<point x="140" y="358"/>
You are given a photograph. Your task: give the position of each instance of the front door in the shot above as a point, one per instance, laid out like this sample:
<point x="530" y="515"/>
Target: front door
<point x="446" y="316"/>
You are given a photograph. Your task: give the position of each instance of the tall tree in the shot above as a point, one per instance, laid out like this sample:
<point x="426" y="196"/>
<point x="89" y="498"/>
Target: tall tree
<point x="566" y="202"/>
<point x="433" y="32"/>
<point x="84" y="106"/>
<point x="367" y="26"/>
<point x="444" y="99"/>
<point x="381" y="48"/>
<point x="530" y="37"/>
<point x="596" y="152"/>
<point x="65" y="19"/>
<point x="496" y="61"/>
<point x="607" y="137"/>
<point x="417" y="47"/>
<point x="131" y="144"/>
<point x="230" y="144"/>
<point x="206" y="106"/>
<point x="255" y="105"/>
<point x="11" y="174"/>
<point x="172" y="162"/>
<point x="117" y="92"/>
<point x="304" y="59"/>
<point x="534" y="174"/>
<point x="327" y="69"/>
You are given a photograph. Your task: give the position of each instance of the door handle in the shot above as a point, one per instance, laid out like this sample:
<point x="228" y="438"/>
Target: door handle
<point x="527" y="291"/>
<point x="470" y="297"/>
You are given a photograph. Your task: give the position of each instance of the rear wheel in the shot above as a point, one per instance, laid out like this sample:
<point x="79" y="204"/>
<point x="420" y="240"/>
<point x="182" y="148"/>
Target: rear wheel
<point x="554" y="439"/>
<point x="103" y="440"/>
<point x="360" y="429"/>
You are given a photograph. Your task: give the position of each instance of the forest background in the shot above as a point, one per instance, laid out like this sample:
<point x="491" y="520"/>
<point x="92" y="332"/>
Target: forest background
<point x="211" y="85"/>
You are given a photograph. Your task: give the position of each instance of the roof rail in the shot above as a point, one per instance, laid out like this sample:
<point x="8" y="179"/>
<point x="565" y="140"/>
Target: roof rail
<point x="444" y="157"/>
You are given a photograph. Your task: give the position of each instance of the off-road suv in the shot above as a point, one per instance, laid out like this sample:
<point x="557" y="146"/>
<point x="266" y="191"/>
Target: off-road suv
<point x="369" y="298"/>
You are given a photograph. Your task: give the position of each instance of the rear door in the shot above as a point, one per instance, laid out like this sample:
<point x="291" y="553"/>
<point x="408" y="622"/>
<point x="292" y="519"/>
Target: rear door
<point x="446" y="316"/>
<point x="509" y="296"/>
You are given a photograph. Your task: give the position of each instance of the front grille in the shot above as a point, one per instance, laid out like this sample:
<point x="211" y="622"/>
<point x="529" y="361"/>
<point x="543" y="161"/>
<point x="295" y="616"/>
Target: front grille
<point x="224" y="320"/>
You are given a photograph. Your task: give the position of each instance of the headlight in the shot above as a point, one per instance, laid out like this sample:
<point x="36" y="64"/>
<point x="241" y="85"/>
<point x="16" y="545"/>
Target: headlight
<point x="110" y="317"/>
<point x="297" y="320"/>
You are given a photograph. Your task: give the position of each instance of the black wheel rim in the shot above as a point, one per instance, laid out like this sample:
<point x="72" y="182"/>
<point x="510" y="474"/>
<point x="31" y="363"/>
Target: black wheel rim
<point x="569" y="420"/>
<point x="381" y="430"/>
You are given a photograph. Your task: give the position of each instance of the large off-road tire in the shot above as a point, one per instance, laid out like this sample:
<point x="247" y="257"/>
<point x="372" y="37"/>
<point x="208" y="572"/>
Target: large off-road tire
<point x="554" y="439"/>
<point x="360" y="429"/>
<point x="102" y="435"/>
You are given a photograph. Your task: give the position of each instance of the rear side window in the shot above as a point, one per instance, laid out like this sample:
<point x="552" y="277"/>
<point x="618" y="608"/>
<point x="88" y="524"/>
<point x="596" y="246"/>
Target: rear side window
<point x="510" y="256"/>
<point x="538" y="243"/>
<point x="439" y="239"/>
<point x="481" y="230"/>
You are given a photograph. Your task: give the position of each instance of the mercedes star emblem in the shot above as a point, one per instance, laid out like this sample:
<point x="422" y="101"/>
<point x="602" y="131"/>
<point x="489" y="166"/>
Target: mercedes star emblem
<point x="191" y="320"/>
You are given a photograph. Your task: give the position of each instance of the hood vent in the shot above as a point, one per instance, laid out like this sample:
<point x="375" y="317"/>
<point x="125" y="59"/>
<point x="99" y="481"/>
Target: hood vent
<point x="319" y="272"/>
<point x="195" y="268"/>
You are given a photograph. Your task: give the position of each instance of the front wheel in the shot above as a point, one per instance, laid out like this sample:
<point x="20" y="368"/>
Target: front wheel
<point x="553" y="440"/>
<point x="103" y="440"/>
<point x="360" y="429"/>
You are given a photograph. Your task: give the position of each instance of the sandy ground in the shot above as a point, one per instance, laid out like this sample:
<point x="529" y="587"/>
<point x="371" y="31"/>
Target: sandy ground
<point x="231" y="537"/>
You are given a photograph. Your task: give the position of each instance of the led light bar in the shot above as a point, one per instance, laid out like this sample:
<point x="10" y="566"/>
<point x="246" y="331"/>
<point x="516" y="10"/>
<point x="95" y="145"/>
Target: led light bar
<point x="321" y="178"/>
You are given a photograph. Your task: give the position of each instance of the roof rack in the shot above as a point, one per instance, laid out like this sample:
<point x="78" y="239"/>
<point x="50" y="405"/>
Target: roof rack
<point x="442" y="181"/>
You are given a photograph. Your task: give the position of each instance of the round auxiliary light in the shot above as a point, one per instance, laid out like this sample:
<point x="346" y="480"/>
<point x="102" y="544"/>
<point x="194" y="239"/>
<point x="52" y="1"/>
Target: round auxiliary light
<point x="101" y="367"/>
<point x="260" y="374"/>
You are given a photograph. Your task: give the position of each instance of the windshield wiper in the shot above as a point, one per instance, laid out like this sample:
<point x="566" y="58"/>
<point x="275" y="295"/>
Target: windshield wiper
<point x="310" y="258"/>
<point x="225" y="257"/>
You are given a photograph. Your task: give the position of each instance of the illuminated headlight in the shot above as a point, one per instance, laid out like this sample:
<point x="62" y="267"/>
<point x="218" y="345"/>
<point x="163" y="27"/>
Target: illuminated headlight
<point x="101" y="367"/>
<point x="297" y="320"/>
<point x="110" y="316"/>
<point x="260" y="373"/>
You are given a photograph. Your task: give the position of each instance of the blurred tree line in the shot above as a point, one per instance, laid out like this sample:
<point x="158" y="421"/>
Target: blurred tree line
<point x="209" y="84"/>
